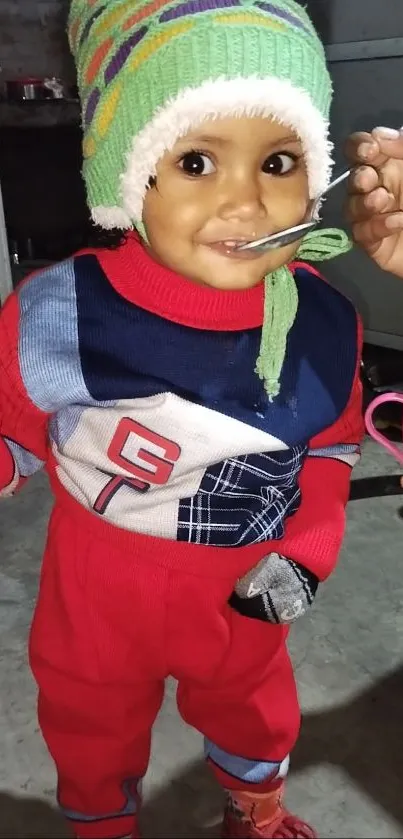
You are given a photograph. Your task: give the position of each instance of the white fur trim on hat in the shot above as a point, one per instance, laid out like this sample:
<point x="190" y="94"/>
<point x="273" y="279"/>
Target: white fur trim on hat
<point x="111" y="217"/>
<point x="251" y="96"/>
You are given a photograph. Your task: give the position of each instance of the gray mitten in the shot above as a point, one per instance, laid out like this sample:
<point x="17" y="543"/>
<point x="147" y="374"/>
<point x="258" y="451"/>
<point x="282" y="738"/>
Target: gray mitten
<point x="277" y="590"/>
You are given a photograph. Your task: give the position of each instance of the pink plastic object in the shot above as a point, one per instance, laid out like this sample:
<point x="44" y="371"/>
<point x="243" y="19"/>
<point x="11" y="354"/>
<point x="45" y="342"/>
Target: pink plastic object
<point x="394" y="450"/>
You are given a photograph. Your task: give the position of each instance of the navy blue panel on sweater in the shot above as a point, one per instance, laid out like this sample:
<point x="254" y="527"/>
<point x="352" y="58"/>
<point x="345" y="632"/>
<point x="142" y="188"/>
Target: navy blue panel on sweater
<point x="127" y="352"/>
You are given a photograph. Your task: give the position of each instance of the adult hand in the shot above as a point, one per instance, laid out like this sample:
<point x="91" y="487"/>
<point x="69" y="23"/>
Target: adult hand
<point x="375" y="205"/>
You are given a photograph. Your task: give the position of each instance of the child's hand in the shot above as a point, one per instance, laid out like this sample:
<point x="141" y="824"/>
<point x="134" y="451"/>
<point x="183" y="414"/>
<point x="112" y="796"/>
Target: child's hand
<point x="375" y="205"/>
<point x="277" y="590"/>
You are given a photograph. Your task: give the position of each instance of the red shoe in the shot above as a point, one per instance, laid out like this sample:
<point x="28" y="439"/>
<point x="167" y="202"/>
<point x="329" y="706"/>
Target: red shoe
<point x="285" y="826"/>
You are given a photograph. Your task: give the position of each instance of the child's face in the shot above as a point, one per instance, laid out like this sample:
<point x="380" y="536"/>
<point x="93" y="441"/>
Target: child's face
<point x="228" y="181"/>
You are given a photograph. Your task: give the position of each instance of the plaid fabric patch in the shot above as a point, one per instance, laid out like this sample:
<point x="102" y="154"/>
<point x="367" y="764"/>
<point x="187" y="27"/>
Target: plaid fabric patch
<point x="243" y="500"/>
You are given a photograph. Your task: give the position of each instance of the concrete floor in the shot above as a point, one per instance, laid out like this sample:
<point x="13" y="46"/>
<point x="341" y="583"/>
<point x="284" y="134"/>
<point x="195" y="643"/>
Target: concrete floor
<point x="347" y="769"/>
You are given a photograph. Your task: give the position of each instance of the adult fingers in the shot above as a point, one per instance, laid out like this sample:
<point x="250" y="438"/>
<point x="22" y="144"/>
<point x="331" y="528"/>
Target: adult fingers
<point x="372" y="231"/>
<point x="363" y="206"/>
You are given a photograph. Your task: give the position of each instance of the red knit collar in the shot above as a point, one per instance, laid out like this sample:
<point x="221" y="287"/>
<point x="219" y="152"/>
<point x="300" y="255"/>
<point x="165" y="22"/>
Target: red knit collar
<point x="136" y="276"/>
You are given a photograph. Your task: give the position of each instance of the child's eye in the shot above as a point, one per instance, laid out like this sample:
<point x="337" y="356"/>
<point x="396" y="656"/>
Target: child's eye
<point x="279" y="164"/>
<point x="195" y="163"/>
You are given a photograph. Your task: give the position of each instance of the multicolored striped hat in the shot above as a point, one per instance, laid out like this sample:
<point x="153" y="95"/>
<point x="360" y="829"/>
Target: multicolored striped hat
<point x="151" y="70"/>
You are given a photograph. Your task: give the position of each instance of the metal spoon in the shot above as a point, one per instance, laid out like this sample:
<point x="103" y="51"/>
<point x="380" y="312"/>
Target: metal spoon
<point x="292" y="234"/>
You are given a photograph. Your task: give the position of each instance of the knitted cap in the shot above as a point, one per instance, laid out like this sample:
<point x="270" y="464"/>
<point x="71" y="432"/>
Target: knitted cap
<point x="151" y="70"/>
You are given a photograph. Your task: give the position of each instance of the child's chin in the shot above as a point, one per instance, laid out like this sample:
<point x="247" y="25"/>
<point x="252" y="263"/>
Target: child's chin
<point x="227" y="274"/>
<point x="233" y="281"/>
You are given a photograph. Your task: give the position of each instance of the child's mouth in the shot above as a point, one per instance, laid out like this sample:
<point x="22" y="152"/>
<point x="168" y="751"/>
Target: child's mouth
<point x="228" y="248"/>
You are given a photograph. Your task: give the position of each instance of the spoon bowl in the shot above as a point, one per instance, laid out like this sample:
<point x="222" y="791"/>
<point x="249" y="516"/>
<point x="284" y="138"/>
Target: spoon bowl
<point x="292" y="234"/>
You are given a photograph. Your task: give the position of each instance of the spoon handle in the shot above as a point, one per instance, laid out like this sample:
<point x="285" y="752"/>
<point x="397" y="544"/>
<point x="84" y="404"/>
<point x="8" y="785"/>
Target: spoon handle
<point x="337" y="181"/>
<point x="277" y="240"/>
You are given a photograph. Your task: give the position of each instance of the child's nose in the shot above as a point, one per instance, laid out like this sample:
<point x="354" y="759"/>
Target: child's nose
<point x="242" y="200"/>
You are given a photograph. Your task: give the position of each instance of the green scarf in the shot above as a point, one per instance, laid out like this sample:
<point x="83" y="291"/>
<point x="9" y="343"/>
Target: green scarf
<point x="281" y="303"/>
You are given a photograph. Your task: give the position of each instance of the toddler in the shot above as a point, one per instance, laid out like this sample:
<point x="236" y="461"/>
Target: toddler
<point x="198" y="408"/>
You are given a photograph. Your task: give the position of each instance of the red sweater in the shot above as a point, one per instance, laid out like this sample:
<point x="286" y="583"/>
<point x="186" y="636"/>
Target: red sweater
<point x="137" y="390"/>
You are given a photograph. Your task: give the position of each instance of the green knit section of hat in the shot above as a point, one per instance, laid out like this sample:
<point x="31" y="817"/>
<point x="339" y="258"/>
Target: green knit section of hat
<point x="107" y="149"/>
<point x="127" y="71"/>
<point x="281" y="304"/>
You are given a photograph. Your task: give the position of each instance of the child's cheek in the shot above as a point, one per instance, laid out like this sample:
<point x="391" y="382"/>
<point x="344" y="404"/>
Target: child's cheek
<point x="300" y="209"/>
<point x="291" y="203"/>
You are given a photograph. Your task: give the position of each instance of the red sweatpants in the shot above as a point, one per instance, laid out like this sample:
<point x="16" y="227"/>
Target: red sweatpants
<point x="111" y="624"/>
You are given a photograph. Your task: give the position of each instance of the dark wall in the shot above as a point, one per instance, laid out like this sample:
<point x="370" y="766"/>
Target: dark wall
<point x="339" y="21"/>
<point x="33" y="39"/>
<point x="40" y="165"/>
